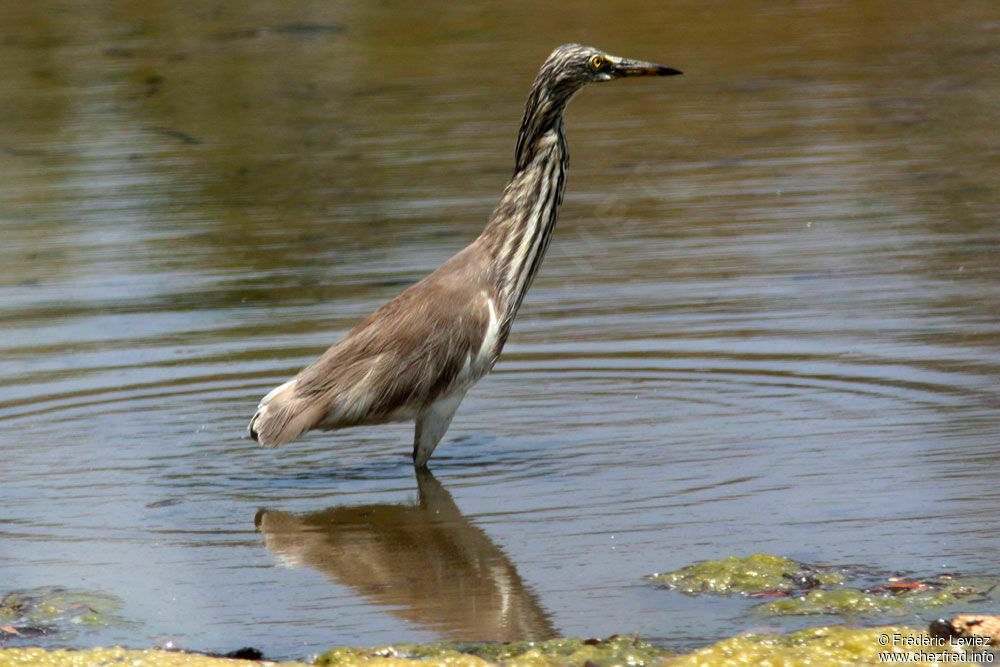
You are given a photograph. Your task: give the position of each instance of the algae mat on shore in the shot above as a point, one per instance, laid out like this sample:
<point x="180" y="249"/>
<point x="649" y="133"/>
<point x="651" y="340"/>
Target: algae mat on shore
<point x="816" y="646"/>
<point x="117" y="656"/>
<point x="794" y="588"/>
<point x="832" y="646"/>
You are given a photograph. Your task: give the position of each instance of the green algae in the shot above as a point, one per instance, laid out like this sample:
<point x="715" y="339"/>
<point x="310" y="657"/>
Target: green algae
<point x="840" y="602"/>
<point x="837" y="645"/>
<point x="617" y="650"/>
<point x="22" y="657"/>
<point x="815" y="646"/>
<point x="850" y="602"/>
<point x="400" y="654"/>
<point x="746" y="575"/>
<point x="833" y="646"/>
<point x="796" y="588"/>
<point x="58" y="611"/>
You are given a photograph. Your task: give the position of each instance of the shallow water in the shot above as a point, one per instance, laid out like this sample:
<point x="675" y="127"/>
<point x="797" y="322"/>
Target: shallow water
<point x="769" y="319"/>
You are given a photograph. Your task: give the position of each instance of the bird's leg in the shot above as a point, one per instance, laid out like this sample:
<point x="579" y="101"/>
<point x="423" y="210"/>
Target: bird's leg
<point x="431" y="425"/>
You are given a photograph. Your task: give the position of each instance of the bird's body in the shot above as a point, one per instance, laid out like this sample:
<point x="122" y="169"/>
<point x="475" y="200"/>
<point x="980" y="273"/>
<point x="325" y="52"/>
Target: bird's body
<point x="416" y="357"/>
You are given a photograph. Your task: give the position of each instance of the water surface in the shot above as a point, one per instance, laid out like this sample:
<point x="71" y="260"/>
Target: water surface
<point x="769" y="318"/>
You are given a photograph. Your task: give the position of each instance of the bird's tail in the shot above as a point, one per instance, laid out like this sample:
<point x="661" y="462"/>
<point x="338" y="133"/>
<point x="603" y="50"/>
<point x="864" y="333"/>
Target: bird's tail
<point x="282" y="416"/>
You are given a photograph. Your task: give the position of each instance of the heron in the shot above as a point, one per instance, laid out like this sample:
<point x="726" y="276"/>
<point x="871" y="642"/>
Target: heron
<point x="417" y="356"/>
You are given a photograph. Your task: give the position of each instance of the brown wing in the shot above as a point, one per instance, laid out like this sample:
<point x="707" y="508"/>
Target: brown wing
<point x="393" y="364"/>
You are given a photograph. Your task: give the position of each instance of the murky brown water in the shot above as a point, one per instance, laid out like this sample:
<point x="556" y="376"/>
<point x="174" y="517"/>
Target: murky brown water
<point x="769" y="319"/>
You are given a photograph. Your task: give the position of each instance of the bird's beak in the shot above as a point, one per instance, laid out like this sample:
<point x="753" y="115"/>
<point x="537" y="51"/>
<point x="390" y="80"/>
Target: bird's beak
<point x="626" y="67"/>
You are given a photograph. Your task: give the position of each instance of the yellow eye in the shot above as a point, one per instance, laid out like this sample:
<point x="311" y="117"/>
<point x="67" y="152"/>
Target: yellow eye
<point x="597" y="62"/>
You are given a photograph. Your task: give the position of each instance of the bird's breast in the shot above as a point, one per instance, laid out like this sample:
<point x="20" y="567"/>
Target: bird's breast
<point x="481" y="360"/>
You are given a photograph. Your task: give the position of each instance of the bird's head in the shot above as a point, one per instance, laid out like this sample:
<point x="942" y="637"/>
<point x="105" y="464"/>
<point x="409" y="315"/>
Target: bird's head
<point x="568" y="69"/>
<point x="572" y="66"/>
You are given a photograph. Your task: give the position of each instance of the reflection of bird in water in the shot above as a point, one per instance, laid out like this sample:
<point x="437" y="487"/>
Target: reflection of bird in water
<point x="417" y="356"/>
<point x="427" y="563"/>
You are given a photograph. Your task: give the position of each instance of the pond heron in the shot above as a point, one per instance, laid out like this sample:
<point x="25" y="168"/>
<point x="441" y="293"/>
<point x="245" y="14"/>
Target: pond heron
<point x="417" y="356"/>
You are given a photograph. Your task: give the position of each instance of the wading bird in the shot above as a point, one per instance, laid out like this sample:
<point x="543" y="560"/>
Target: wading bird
<point x="417" y="356"/>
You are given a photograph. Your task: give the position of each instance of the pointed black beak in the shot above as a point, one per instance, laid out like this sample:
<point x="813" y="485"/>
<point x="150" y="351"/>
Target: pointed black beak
<point x="626" y="67"/>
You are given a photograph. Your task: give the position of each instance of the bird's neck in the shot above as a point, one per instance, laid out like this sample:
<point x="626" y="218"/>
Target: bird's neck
<point x="521" y="225"/>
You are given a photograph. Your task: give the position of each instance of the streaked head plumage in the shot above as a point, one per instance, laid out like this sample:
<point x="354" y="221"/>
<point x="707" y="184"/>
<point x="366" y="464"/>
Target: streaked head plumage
<point x="575" y="65"/>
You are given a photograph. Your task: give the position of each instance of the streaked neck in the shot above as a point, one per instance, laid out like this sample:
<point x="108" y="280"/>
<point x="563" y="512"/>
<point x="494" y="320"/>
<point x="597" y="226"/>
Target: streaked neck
<point x="519" y="230"/>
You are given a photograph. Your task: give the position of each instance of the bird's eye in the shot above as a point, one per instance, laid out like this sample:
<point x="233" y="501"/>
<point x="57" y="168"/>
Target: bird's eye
<point x="597" y="62"/>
